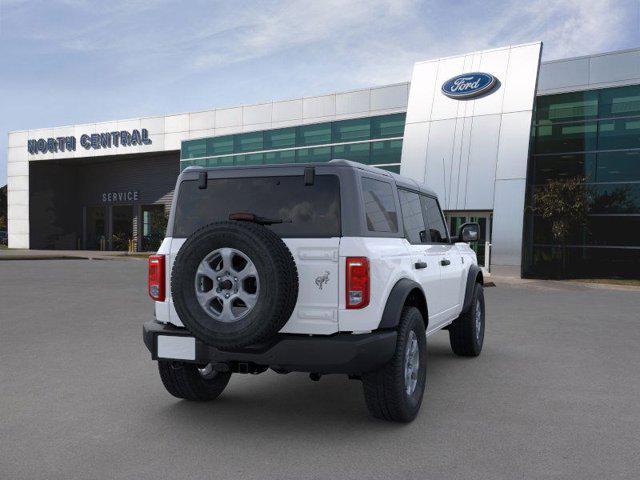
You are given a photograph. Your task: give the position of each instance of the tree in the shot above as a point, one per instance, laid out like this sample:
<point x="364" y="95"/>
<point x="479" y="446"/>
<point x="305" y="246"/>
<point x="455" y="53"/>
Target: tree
<point x="565" y="204"/>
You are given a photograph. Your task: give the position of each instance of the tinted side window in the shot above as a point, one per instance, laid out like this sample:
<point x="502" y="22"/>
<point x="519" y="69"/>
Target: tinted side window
<point x="379" y="206"/>
<point x="412" y="216"/>
<point x="435" y="222"/>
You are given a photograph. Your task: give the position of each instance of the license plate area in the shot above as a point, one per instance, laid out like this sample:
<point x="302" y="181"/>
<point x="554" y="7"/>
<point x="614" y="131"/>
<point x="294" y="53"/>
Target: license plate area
<point x="176" y="348"/>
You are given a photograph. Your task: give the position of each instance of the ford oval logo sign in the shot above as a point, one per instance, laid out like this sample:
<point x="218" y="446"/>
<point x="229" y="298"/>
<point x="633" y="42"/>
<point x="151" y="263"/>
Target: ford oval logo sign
<point x="469" y="85"/>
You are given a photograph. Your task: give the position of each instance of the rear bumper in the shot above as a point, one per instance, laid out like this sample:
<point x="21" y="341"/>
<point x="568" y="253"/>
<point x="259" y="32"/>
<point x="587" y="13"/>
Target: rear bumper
<point x="339" y="353"/>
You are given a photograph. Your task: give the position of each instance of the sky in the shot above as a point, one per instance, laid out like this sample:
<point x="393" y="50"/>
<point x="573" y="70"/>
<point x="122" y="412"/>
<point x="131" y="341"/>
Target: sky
<point x="65" y="62"/>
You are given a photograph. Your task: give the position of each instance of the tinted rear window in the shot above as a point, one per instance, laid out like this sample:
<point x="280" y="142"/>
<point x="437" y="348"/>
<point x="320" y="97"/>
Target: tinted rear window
<point x="308" y="211"/>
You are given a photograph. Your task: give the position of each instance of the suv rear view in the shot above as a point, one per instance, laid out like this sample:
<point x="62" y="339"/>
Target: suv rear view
<point x="295" y="268"/>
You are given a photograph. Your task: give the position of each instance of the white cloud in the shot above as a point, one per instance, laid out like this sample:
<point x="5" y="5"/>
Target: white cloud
<point x="281" y="26"/>
<point x="375" y="39"/>
<point x="569" y="28"/>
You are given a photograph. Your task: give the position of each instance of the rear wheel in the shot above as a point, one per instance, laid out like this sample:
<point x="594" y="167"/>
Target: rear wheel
<point x="192" y="382"/>
<point x="466" y="333"/>
<point x="395" y="392"/>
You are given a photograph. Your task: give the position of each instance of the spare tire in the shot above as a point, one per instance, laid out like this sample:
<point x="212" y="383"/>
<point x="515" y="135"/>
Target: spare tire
<point x="234" y="284"/>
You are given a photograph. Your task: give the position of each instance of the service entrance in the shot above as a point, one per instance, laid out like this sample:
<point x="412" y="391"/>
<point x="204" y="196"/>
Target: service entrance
<point x="96" y="227"/>
<point x="121" y="227"/>
<point x="101" y="203"/>
<point x="483" y="246"/>
<point x="124" y="227"/>
<point x="108" y="227"/>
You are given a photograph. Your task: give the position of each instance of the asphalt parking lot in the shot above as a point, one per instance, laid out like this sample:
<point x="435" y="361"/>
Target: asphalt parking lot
<point x="555" y="393"/>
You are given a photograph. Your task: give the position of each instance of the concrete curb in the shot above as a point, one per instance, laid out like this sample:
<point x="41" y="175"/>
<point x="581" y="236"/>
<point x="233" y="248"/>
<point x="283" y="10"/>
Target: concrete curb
<point x="41" y="257"/>
<point x="574" y="283"/>
<point x="71" y="257"/>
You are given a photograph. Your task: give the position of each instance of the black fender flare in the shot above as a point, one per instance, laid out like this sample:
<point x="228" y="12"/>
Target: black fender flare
<point x="396" y="301"/>
<point x="473" y="276"/>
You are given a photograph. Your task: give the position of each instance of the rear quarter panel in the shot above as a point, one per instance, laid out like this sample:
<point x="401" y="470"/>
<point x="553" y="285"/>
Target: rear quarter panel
<point x="389" y="261"/>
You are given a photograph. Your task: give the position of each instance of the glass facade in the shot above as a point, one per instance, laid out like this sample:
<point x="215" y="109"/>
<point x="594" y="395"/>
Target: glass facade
<point x="371" y="140"/>
<point x="594" y="137"/>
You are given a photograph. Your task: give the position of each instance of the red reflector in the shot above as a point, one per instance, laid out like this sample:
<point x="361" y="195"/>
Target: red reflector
<point x="357" y="282"/>
<point x="156" y="277"/>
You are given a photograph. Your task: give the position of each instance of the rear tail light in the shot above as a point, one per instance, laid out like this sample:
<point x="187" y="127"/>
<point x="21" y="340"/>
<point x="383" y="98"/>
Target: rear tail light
<point x="357" y="282"/>
<point x="156" y="277"/>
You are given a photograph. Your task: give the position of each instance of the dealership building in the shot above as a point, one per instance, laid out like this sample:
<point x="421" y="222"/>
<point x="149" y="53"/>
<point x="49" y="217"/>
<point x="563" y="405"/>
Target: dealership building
<point x="486" y="130"/>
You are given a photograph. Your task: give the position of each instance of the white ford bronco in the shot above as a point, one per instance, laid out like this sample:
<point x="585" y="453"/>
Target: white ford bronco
<point x="320" y="268"/>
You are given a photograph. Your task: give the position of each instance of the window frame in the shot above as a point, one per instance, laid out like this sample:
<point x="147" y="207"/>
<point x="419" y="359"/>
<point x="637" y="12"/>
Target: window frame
<point x="399" y="232"/>
<point x="424" y="220"/>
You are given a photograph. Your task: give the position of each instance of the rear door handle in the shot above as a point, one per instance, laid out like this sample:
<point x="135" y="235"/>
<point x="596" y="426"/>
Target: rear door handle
<point x="419" y="265"/>
<point x="445" y="261"/>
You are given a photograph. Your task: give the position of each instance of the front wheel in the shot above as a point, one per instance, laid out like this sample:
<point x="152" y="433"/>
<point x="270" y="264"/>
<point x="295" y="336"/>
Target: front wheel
<point x="192" y="382"/>
<point x="466" y="333"/>
<point x="395" y="392"/>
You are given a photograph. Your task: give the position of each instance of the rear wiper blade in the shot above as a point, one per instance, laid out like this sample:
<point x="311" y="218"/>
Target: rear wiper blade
<point x="252" y="217"/>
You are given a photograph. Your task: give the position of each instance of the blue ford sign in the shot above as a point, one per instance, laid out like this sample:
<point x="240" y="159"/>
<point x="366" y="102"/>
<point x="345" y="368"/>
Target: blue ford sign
<point x="469" y="85"/>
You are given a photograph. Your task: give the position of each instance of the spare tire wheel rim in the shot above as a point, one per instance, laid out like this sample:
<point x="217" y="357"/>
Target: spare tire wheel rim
<point x="227" y="284"/>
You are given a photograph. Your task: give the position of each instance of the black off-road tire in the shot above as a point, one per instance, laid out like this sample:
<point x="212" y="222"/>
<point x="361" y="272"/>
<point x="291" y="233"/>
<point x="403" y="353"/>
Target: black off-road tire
<point x="183" y="380"/>
<point x="385" y="390"/>
<point x="277" y="293"/>
<point x="464" y="335"/>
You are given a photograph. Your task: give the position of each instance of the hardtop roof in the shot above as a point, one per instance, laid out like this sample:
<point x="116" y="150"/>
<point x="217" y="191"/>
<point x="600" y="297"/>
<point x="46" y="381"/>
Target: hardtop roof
<point x="399" y="180"/>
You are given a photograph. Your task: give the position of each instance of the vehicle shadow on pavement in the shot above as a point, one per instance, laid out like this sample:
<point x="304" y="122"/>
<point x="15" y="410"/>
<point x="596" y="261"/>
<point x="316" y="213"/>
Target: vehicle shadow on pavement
<point x="272" y="402"/>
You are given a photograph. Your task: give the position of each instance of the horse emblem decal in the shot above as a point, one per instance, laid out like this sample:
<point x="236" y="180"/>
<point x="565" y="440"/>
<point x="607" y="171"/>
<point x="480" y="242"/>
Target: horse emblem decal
<point x="322" y="279"/>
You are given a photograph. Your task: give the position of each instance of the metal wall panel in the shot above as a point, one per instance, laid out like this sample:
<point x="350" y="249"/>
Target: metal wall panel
<point x="466" y="144"/>
<point x="438" y="158"/>
<point x="563" y="74"/>
<point x="176" y="123"/>
<point x="415" y="144"/>
<point x="513" y="146"/>
<point x="314" y="107"/>
<point x="352" y="102"/>
<point x="595" y="71"/>
<point x="444" y="107"/>
<point x="253" y="114"/>
<point x="210" y="132"/>
<point x="393" y="96"/>
<point x="614" y="67"/>
<point x="287" y="110"/>
<point x="202" y="120"/>
<point x="229" y="117"/>
<point x="481" y="158"/>
<point x="422" y="91"/>
<point x="18" y="139"/>
<point x="154" y="125"/>
<point x="495" y="62"/>
<point x="508" y="214"/>
<point x="522" y="77"/>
